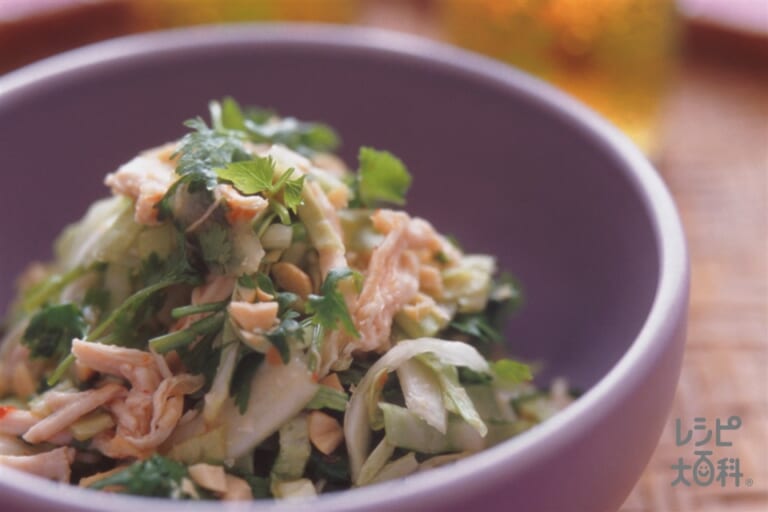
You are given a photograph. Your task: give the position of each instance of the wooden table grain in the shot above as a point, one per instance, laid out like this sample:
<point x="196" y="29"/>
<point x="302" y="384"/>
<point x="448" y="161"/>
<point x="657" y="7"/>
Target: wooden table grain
<point x="714" y="158"/>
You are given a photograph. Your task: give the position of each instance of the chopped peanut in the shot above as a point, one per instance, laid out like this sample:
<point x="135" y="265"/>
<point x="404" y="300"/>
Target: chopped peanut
<point x="430" y="280"/>
<point x="261" y="315"/>
<point x="257" y="342"/>
<point x="325" y="432"/>
<point x="237" y="489"/>
<point x="209" y="477"/>
<point x="291" y="278"/>
<point x="263" y="296"/>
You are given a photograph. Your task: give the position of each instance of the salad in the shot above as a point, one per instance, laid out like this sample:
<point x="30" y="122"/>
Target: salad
<point x="247" y="318"/>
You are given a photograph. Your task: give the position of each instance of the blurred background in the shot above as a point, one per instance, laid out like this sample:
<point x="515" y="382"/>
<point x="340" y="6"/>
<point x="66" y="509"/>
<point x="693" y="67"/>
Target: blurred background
<point x="687" y="80"/>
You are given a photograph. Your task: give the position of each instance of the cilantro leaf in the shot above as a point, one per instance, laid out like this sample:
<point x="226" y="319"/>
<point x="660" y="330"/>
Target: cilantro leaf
<point x="156" y="276"/>
<point x="227" y="115"/>
<point x="292" y="193"/>
<point x="288" y="328"/>
<point x="215" y="244"/>
<point x="257" y="176"/>
<point x="511" y="372"/>
<point x="284" y="299"/>
<point x="249" y="176"/>
<point x="487" y="326"/>
<point x="382" y="177"/>
<point x="204" y="149"/>
<point x="301" y="136"/>
<point x="50" y="331"/>
<point x="246" y="281"/>
<point x="199" y="153"/>
<point x="157" y="476"/>
<point x="264" y="125"/>
<point x="202" y="358"/>
<point x="329" y="308"/>
<point x="478" y="326"/>
<point x="240" y="385"/>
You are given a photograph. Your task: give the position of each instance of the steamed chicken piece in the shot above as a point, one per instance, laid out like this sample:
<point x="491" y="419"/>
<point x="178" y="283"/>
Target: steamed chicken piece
<point x="16" y="422"/>
<point x="54" y="465"/>
<point x="145" y="179"/>
<point x="152" y="407"/>
<point x="70" y="410"/>
<point x="167" y="407"/>
<point x="394" y="274"/>
<point x="391" y="281"/>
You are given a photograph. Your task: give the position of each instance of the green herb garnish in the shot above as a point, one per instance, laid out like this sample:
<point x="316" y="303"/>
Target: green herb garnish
<point x="509" y="371"/>
<point x="157" y="476"/>
<point x="51" y="330"/>
<point x="381" y="178"/>
<point x="240" y="385"/>
<point x="329" y="308"/>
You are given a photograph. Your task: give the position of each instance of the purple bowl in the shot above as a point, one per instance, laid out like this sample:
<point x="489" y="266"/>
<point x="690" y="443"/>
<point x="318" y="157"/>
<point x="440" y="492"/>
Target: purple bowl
<point x="506" y="163"/>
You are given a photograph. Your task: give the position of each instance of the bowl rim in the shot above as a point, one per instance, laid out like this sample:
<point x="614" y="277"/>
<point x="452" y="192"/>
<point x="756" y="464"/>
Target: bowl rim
<point x="668" y="305"/>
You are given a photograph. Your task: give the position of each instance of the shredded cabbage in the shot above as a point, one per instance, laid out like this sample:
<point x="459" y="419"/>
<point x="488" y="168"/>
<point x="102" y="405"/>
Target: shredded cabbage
<point x="356" y="421"/>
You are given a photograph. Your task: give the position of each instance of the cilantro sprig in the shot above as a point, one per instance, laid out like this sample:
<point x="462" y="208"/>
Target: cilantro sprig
<point x="263" y="125"/>
<point x="51" y="330"/>
<point x="257" y="176"/>
<point x="486" y="326"/>
<point x="381" y="178"/>
<point x="289" y="326"/>
<point x="123" y="323"/>
<point x="329" y="309"/>
<point x="199" y="153"/>
<point x="509" y="371"/>
<point x="157" y="476"/>
<point x="240" y="385"/>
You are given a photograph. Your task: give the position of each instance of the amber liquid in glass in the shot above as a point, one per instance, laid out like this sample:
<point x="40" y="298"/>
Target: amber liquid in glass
<point x="615" y="55"/>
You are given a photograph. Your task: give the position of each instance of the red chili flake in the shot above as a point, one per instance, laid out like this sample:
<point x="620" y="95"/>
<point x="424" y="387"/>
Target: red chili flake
<point x="5" y="409"/>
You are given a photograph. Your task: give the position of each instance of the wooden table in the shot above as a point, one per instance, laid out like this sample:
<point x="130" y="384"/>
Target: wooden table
<point x="714" y="157"/>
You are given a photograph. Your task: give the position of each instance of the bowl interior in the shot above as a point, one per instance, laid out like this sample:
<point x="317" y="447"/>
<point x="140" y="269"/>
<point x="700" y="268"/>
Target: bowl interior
<point x="504" y="173"/>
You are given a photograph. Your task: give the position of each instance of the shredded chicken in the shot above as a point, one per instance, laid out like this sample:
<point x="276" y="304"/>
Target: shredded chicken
<point x="240" y="208"/>
<point x="167" y="407"/>
<point x="17" y="422"/>
<point x="54" y="465"/>
<point x="152" y="407"/>
<point x="144" y="179"/>
<point x="391" y="281"/>
<point x="77" y="406"/>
